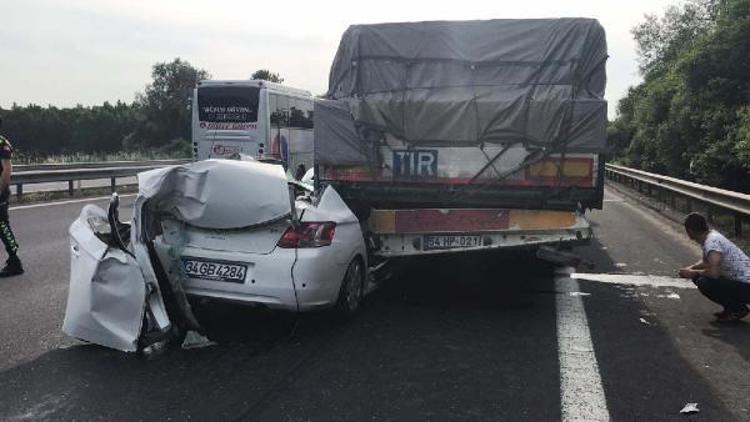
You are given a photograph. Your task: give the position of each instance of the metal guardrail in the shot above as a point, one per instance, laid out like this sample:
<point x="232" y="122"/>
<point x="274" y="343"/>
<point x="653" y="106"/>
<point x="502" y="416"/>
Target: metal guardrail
<point x="738" y="204"/>
<point x="97" y="171"/>
<point x="94" y="164"/>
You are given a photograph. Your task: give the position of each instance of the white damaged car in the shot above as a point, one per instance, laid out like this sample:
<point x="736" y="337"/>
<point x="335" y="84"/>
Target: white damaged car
<point x="220" y="229"/>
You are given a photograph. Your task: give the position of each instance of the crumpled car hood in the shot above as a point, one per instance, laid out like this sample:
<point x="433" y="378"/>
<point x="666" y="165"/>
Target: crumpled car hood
<point x="218" y="194"/>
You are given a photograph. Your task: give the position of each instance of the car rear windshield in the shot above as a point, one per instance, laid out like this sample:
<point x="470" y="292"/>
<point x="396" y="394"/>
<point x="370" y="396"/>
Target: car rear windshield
<point x="228" y="104"/>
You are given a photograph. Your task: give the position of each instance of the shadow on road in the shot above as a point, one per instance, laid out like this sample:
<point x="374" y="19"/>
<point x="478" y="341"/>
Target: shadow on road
<point x="470" y="338"/>
<point x="597" y="256"/>
<point x="644" y="373"/>
<point x="735" y="334"/>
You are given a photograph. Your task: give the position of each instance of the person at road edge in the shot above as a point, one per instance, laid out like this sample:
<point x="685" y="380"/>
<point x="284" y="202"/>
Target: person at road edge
<point x="13" y="265"/>
<point x="723" y="275"/>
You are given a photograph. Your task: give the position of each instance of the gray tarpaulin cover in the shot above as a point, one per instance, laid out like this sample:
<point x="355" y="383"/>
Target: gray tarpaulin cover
<point x="218" y="194"/>
<point x="538" y="81"/>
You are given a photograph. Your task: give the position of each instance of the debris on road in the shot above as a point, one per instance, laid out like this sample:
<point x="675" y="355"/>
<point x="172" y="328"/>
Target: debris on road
<point x="193" y="340"/>
<point x="155" y="348"/>
<point x="671" y="295"/>
<point x="690" y="408"/>
<point x="558" y="257"/>
<point x="644" y="321"/>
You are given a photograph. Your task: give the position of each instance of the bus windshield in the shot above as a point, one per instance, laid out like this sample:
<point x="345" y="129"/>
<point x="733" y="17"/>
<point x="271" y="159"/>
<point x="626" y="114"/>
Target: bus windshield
<point x="228" y="104"/>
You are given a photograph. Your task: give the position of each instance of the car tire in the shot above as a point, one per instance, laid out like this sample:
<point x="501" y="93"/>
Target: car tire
<point x="352" y="289"/>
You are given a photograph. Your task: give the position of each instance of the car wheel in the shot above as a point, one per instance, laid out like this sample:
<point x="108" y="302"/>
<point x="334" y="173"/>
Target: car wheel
<point x="352" y="289"/>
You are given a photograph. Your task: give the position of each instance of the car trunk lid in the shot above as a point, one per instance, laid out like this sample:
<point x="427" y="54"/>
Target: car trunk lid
<point x="258" y="239"/>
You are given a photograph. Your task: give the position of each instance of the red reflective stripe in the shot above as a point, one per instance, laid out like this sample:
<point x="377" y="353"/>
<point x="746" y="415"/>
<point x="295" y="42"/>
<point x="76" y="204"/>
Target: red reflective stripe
<point x="365" y="175"/>
<point x="450" y="220"/>
<point x="537" y="181"/>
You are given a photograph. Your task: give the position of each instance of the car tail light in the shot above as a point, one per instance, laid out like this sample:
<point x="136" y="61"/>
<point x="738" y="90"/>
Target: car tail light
<point x="308" y="235"/>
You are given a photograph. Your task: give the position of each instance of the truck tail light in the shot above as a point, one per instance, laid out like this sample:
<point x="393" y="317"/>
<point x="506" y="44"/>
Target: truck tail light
<point x="308" y="235"/>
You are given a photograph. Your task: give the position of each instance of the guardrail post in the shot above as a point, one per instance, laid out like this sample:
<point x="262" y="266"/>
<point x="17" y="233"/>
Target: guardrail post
<point x="19" y="190"/>
<point x="113" y="184"/>
<point x="683" y="196"/>
<point x="738" y="224"/>
<point x="70" y="188"/>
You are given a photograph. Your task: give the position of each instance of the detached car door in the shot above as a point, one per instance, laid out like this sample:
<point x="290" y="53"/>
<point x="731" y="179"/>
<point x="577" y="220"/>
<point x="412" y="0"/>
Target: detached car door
<point x="106" y="300"/>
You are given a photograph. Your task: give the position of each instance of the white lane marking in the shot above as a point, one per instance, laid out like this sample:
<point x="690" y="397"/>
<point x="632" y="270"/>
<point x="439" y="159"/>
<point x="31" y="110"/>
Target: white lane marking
<point x="581" y="393"/>
<point x="637" y="280"/>
<point x="72" y="201"/>
<point x="43" y="409"/>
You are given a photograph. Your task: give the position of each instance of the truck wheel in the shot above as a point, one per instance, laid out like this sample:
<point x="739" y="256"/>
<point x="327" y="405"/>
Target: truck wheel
<point x="352" y="289"/>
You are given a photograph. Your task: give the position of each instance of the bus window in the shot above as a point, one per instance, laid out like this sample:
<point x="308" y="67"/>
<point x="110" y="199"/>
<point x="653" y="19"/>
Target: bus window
<point x="271" y="104"/>
<point x="280" y="113"/>
<point x="301" y="114"/>
<point x="228" y="104"/>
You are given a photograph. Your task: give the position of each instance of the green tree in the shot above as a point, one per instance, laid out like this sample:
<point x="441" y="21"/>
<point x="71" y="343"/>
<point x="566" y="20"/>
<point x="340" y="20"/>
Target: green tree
<point x="662" y="39"/>
<point x="165" y="107"/>
<point x="689" y="118"/>
<point x="267" y="75"/>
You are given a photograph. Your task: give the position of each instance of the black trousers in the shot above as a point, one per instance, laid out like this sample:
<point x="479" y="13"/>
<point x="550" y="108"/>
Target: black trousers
<point x="731" y="294"/>
<point x="6" y="234"/>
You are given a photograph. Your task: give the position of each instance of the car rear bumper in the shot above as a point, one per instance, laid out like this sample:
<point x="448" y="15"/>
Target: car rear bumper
<point x="498" y="229"/>
<point x="285" y="279"/>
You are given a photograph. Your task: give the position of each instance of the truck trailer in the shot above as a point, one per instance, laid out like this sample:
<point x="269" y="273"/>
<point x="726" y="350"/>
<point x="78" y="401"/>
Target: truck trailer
<point x="457" y="136"/>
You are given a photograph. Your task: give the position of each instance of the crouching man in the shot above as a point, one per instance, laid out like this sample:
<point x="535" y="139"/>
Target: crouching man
<point x="723" y="275"/>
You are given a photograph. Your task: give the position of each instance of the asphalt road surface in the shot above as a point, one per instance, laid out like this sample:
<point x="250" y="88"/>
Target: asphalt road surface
<point x="491" y="337"/>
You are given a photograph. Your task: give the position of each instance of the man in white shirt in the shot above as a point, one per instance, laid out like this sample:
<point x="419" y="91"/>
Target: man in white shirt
<point x="723" y="275"/>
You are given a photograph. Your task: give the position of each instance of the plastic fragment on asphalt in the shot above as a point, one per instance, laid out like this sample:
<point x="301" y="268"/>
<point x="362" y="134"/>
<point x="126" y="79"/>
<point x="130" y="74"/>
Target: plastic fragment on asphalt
<point x="579" y="294"/>
<point x="644" y="321"/>
<point x="558" y="257"/>
<point x="690" y="408"/>
<point x="193" y="340"/>
<point x="155" y="349"/>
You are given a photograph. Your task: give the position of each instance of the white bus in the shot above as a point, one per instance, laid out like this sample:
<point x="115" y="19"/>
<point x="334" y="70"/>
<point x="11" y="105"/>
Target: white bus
<point x="264" y="120"/>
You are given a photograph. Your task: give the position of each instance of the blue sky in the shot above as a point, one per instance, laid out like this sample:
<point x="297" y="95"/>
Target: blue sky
<point x="89" y="51"/>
